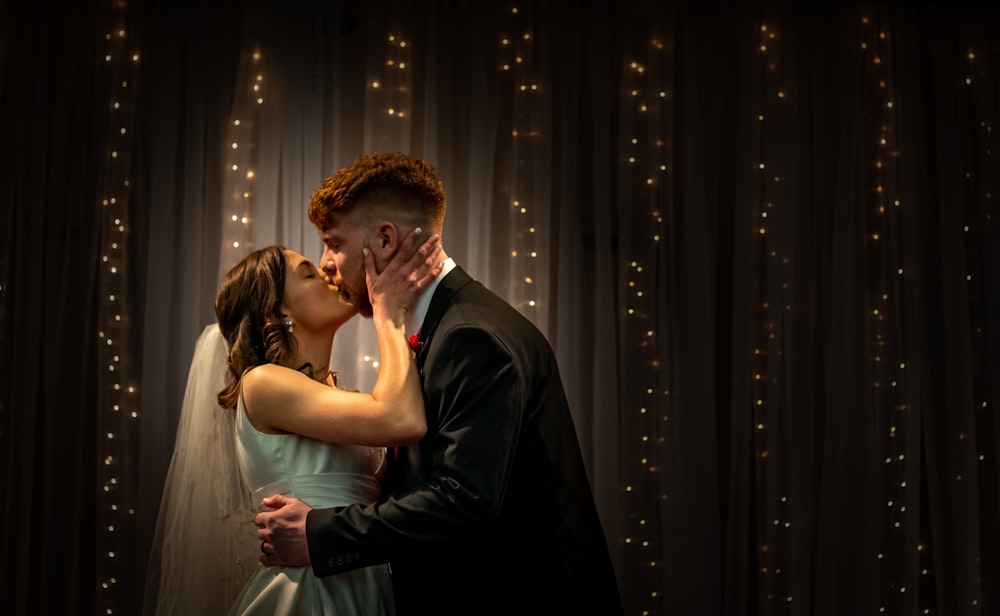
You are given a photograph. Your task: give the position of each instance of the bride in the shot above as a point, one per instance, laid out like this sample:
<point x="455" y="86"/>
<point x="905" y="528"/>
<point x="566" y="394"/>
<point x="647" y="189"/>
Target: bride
<point x="263" y="415"/>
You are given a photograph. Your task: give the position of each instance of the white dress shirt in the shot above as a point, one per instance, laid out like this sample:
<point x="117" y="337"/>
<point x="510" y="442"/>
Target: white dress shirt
<point x="415" y="317"/>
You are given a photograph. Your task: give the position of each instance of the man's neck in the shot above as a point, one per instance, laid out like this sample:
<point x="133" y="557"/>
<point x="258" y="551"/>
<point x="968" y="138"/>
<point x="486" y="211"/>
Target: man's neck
<point x="415" y="317"/>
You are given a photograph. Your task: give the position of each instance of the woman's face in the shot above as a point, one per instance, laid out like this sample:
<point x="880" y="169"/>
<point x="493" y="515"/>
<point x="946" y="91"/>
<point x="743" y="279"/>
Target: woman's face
<point x="311" y="303"/>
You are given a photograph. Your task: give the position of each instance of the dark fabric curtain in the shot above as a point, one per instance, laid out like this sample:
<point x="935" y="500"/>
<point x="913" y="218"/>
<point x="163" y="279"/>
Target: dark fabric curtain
<point x="761" y="238"/>
<point x="53" y="109"/>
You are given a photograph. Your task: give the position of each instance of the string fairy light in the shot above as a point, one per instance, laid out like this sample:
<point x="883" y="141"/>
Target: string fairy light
<point x="901" y="589"/>
<point x="117" y="387"/>
<point x="646" y="148"/>
<point x="978" y="452"/>
<point x="240" y="177"/>
<point x="519" y="69"/>
<point x="397" y="77"/>
<point x="390" y="91"/>
<point x="773" y="306"/>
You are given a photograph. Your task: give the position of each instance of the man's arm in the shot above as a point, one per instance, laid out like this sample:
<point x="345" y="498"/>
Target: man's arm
<point x="475" y="399"/>
<point x="282" y="532"/>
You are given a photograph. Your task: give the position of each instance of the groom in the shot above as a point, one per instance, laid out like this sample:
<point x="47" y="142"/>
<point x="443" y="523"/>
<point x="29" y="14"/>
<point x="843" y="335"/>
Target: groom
<point x="491" y="512"/>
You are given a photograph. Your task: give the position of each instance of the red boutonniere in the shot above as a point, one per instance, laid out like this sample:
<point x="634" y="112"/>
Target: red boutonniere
<point x="415" y="343"/>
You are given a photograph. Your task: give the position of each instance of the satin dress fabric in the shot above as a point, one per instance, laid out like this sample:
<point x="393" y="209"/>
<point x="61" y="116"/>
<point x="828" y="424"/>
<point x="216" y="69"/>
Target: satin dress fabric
<point x="322" y="475"/>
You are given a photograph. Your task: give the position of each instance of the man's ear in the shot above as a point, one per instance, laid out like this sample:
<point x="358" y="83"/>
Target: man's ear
<point x="387" y="240"/>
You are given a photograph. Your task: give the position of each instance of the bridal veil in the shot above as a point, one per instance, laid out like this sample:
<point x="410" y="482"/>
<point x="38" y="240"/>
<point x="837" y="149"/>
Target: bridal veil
<point x="205" y="545"/>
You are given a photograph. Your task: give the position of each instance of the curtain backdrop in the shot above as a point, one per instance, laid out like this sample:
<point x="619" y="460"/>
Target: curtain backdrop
<point x="761" y="238"/>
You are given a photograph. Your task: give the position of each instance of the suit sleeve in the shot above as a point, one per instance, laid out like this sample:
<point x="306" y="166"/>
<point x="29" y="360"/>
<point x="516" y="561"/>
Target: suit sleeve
<point x="475" y="397"/>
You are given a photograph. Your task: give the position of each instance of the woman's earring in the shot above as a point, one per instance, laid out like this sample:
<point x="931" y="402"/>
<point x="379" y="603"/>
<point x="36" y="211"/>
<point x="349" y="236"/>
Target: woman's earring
<point x="291" y="326"/>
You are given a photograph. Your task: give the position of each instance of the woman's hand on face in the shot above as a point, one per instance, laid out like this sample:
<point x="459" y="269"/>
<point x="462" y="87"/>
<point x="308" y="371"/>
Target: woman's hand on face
<point x="406" y="275"/>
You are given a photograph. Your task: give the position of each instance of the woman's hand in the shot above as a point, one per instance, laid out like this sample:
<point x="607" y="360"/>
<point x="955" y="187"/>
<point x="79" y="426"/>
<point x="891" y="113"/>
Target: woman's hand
<point x="395" y="291"/>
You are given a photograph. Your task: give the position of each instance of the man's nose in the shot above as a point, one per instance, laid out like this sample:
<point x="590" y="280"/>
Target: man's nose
<point x="328" y="274"/>
<point x="326" y="262"/>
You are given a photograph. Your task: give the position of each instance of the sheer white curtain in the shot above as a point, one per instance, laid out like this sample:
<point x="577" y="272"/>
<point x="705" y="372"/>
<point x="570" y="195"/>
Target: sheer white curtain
<point x="266" y="103"/>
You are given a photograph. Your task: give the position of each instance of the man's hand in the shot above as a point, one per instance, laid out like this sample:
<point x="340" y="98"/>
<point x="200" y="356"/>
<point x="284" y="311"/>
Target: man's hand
<point x="414" y="266"/>
<point x="282" y="532"/>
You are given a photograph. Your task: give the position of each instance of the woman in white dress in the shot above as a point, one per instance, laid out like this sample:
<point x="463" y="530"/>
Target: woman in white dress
<point x="295" y="432"/>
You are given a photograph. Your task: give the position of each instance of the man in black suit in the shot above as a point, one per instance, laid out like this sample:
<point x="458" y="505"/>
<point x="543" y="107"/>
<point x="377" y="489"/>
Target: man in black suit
<point x="491" y="512"/>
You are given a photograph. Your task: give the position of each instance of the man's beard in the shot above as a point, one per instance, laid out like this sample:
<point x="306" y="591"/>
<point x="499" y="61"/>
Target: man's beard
<point x="359" y="300"/>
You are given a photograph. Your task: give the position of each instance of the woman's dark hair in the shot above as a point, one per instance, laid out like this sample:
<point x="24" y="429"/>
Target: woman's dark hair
<point x="248" y="308"/>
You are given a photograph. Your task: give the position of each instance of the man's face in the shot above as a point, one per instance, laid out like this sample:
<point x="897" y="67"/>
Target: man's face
<point x="343" y="261"/>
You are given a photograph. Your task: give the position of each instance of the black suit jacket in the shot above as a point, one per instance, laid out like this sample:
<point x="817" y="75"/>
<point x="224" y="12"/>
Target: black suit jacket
<point x="492" y="511"/>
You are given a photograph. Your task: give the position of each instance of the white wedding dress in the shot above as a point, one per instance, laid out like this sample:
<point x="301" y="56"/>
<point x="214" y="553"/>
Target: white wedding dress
<point x="204" y="555"/>
<point x="322" y="475"/>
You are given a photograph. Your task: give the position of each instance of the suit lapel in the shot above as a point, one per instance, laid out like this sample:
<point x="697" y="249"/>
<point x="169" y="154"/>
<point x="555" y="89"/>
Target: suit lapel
<point x="399" y="474"/>
<point x="449" y="285"/>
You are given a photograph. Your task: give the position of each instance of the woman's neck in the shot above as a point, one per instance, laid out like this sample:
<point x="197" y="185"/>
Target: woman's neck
<point x="313" y="359"/>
